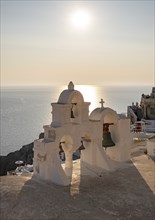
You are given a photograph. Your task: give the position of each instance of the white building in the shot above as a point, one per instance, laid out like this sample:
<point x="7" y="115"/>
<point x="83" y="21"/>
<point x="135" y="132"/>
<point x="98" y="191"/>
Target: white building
<point x="72" y="125"/>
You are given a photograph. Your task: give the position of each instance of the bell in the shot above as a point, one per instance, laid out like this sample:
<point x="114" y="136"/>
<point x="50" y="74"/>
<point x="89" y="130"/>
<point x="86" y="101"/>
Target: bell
<point x="72" y="114"/>
<point x="60" y="147"/>
<point x="107" y="140"/>
<point x="81" y="147"/>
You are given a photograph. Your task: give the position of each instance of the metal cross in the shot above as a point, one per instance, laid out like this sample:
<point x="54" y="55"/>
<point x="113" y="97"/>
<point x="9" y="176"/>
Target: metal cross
<point x="102" y="102"/>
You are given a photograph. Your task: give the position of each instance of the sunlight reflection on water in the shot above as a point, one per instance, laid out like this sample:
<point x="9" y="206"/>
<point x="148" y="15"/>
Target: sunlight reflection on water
<point x="94" y="94"/>
<point x="90" y="94"/>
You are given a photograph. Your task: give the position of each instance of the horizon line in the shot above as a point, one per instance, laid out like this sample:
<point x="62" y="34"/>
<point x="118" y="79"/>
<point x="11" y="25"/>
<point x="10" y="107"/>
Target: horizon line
<point x="66" y="84"/>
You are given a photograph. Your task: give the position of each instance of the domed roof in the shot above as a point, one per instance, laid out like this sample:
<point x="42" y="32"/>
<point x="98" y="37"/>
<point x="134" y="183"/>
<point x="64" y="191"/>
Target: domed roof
<point x="98" y="113"/>
<point x="70" y="95"/>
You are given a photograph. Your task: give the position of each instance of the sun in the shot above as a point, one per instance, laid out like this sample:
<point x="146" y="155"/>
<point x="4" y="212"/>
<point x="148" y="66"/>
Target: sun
<point x="80" y="19"/>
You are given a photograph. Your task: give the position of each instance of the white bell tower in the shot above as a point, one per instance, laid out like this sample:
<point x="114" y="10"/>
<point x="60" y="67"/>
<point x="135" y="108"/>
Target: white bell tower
<point x="70" y="108"/>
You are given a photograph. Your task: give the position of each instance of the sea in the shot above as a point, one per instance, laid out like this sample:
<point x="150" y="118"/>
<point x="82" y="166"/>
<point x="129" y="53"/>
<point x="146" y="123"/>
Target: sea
<point x="25" y="110"/>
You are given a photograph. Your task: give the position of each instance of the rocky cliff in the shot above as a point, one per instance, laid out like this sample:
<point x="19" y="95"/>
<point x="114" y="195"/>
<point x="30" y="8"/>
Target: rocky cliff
<point x="7" y="163"/>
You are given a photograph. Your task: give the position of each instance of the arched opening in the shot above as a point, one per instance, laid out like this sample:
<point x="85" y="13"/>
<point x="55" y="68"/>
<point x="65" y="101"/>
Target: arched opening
<point x="66" y="141"/>
<point x="109" y="118"/>
<point x="84" y="149"/>
<point x="67" y="149"/>
<point x="65" y="144"/>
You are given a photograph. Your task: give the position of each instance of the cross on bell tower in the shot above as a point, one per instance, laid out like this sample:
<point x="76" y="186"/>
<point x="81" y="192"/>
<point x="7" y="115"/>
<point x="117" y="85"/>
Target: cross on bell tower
<point x="102" y="102"/>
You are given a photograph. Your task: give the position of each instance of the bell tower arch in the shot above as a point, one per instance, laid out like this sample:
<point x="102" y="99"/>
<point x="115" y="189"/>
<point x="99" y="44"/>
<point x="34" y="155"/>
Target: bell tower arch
<point x="70" y="108"/>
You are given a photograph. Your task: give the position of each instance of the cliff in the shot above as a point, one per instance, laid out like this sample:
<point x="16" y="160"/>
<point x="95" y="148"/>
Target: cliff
<point x="7" y="163"/>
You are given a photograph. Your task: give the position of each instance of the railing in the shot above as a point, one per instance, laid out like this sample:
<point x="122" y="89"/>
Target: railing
<point x="139" y="126"/>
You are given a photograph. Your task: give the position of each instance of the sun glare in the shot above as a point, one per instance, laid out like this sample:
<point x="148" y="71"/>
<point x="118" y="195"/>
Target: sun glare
<point x="80" y="19"/>
<point x="90" y="95"/>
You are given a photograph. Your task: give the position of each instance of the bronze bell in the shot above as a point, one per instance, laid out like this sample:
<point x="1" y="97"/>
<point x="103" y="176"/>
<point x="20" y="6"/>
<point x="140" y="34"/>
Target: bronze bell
<point x="107" y="140"/>
<point x="60" y="147"/>
<point x="72" y="114"/>
<point x="81" y="147"/>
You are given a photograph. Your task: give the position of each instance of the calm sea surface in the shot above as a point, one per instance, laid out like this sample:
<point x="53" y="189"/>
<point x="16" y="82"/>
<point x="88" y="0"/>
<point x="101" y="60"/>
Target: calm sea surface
<point x="24" y="110"/>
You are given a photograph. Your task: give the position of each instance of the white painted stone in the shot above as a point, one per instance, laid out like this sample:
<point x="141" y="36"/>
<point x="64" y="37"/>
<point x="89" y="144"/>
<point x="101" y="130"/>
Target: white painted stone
<point x="72" y="123"/>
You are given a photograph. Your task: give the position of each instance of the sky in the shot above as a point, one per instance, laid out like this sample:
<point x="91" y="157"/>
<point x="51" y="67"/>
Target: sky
<point x="43" y="44"/>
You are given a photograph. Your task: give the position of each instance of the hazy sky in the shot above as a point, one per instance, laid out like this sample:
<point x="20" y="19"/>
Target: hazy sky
<point x="41" y="45"/>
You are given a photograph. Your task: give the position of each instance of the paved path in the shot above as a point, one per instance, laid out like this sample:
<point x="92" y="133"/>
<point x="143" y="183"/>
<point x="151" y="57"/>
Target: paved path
<point x="126" y="194"/>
